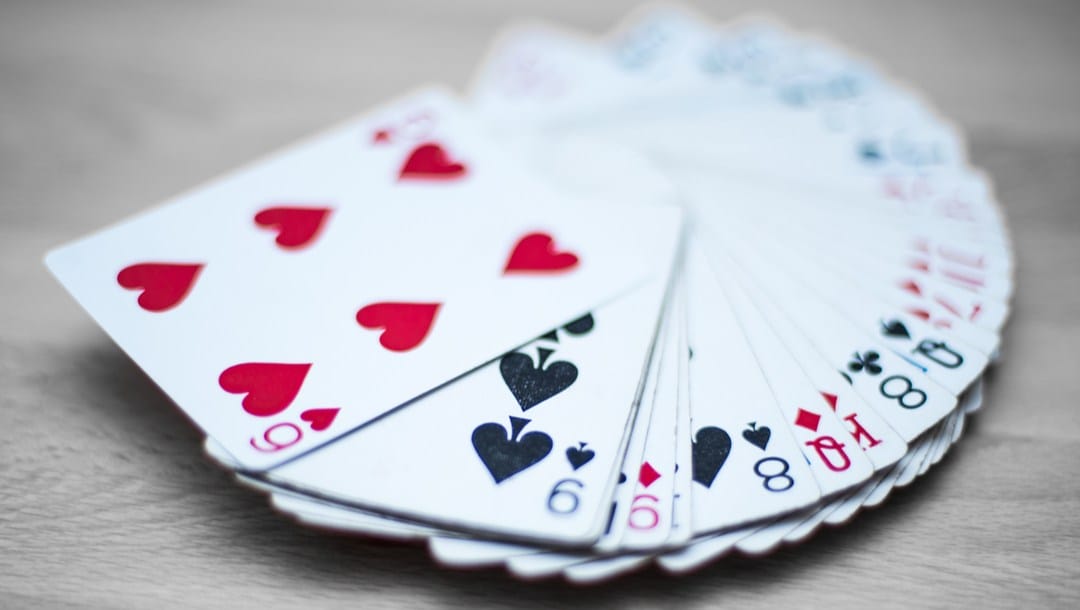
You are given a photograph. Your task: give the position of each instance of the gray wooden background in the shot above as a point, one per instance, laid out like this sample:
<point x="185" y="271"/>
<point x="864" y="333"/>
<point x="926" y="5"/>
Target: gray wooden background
<point x="105" y="498"/>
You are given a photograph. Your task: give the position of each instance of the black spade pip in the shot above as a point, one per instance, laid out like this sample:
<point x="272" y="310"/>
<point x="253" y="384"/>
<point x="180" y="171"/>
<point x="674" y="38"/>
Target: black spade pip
<point x="503" y="455"/>
<point x="711" y="448"/>
<point x="533" y="385"/>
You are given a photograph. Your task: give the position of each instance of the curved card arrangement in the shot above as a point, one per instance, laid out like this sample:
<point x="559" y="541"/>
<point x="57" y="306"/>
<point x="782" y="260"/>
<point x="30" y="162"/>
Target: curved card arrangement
<point x="686" y="290"/>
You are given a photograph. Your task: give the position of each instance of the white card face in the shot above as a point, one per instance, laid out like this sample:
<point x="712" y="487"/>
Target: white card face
<point x="940" y="280"/>
<point x="958" y="200"/>
<point x="592" y="168"/>
<point x="899" y="391"/>
<point x="290" y="302"/>
<point x="794" y="86"/>
<point x="859" y="131"/>
<point x="881" y="444"/>
<point x="746" y="464"/>
<point x="813" y="97"/>
<point x="525" y="447"/>
<point x="682" y="519"/>
<point x="537" y="72"/>
<point x="890" y="228"/>
<point x="534" y="564"/>
<point x="628" y="507"/>
<point x="945" y="358"/>
<point x="664" y="56"/>
<point x="647" y="517"/>
<point x="942" y="357"/>
<point x="544" y="564"/>
<point x="769" y="142"/>
<point x="836" y="462"/>
<point x="753" y="61"/>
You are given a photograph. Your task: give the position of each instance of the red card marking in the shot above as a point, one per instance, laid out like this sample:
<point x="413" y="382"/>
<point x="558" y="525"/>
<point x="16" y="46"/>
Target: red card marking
<point x="912" y="287"/>
<point x="296" y="227"/>
<point x="922" y="314"/>
<point x="831" y="399"/>
<point x="381" y="136"/>
<point x="647" y="475"/>
<point x="807" y="419"/>
<point x="405" y="324"/>
<point x="919" y="265"/>
<point x="320" y="419"/>
<point x="429" y="161"/>
<point x="270" y="386"/>
<point x="163" y="285"/>
<point x="535" y="253"/>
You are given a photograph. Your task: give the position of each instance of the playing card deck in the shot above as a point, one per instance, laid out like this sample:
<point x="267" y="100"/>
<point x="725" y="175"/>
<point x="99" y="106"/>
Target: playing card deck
<point x="684" y="290"/>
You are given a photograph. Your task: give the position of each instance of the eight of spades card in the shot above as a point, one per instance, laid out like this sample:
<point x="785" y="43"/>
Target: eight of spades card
<point x="741" y="446"/>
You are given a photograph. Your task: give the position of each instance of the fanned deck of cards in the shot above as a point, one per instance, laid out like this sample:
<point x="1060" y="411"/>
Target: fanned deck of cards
<point x="685" y="290"/>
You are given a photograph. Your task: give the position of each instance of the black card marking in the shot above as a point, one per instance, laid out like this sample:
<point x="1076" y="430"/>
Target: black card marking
<point x="758" y="437"/>
<point x="867" y="361"/>
<point x="579" y="456"/>
<point x="711" y="448"/>
<point x="506" y="456"/>
<point x="580" y="326"/>
<point x="533" y="385"/>
<point x="894" y="328"/>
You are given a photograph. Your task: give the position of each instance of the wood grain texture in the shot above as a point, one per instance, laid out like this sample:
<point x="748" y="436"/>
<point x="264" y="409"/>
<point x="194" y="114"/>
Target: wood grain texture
<point x="105" y="498"/>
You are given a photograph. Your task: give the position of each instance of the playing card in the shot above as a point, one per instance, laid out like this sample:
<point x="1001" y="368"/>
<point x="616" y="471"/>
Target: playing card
<point x="646" y="540"/>
<point x="648" y="518"/>
<point x="525" y="447"/>
<point x="683" y="290"/>
<point x="741" y="445"/>
<point x="942" y="278"/>
<point x="540" y="562"/>
<point x="682" y="514"/>
<point x="857" y="355"/>
<point x="581" y="175"/>
<point x="946" y="358"/>
<point x="666" y="51"/>
<point x="269" y="303"/>
<point x="761" y="60"/>
<point x="640" y="514"/>
<point x="870" y="431"/>
<point x="836" y="462"/>
<point x="801" y="88"/>
<point x="641" y="520"/>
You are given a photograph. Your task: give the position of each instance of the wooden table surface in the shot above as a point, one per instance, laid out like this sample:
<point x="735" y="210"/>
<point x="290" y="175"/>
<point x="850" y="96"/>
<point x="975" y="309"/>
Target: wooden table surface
<point x="105" y="497"/>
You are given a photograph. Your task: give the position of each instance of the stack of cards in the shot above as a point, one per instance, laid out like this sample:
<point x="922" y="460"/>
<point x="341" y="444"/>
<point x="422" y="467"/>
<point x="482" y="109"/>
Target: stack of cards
<point x="684" y="290"/>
